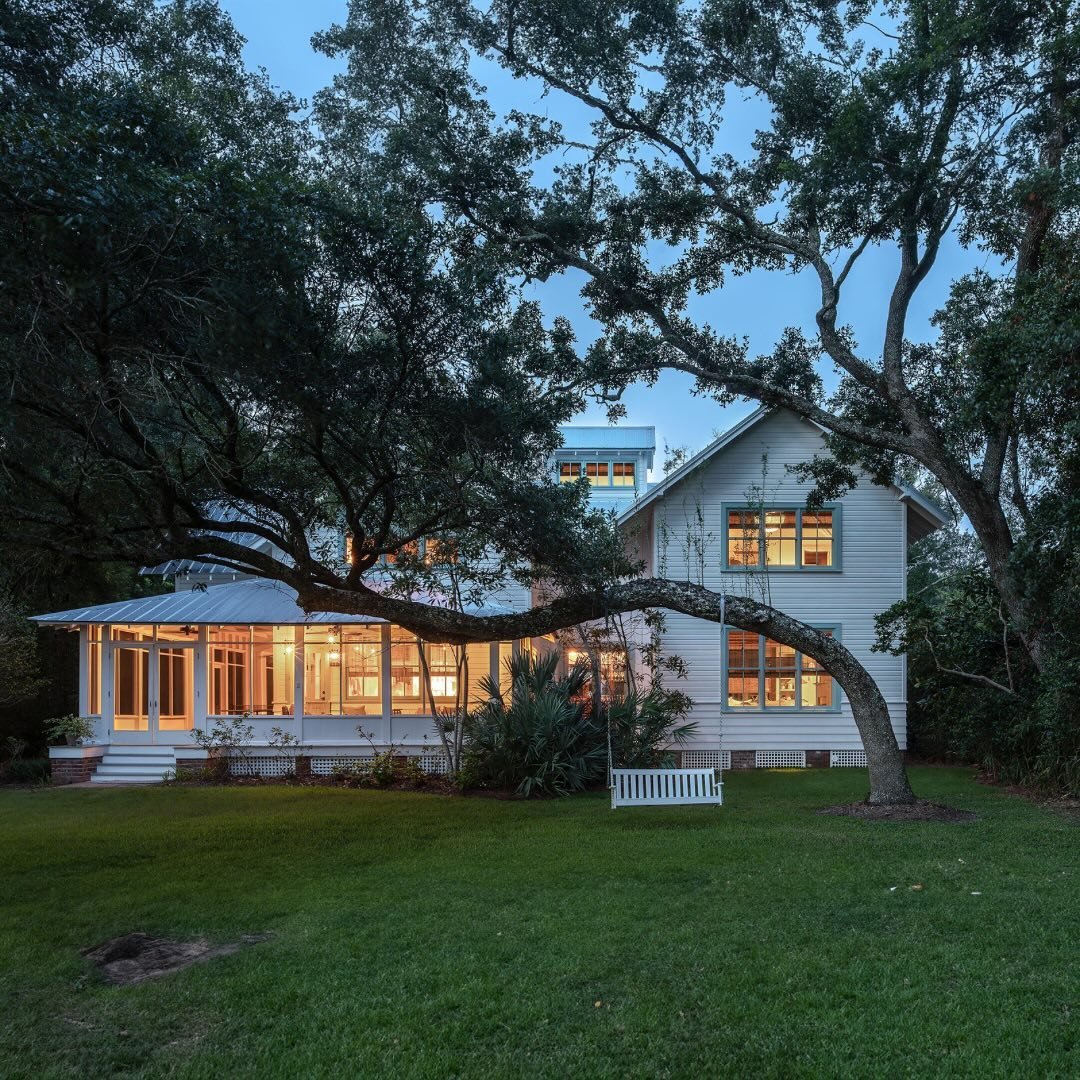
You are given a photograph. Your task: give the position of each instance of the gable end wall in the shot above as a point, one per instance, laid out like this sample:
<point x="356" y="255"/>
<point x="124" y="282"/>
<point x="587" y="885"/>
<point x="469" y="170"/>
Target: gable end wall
<point x="871" y="578"/>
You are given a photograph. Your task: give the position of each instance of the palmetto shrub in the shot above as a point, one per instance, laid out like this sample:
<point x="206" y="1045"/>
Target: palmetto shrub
<point x="646" y="727"/>
<point x="539" y="739"/>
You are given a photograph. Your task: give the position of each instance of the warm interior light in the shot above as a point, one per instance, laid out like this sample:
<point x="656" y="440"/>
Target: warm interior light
<point x="335" y="656"/>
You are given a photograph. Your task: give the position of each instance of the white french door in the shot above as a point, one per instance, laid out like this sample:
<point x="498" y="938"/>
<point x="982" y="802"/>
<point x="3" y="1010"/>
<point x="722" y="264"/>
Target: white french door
<point x="153" y="692"/>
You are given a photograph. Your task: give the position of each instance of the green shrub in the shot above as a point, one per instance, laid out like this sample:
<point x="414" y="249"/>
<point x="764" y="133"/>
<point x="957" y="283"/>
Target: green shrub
<point x="543" y="741"/>
<point x="646" y="727"/>
<point x="27" y="771"/>
<point x="213" y="771"/>
<point x="69" y="729"/>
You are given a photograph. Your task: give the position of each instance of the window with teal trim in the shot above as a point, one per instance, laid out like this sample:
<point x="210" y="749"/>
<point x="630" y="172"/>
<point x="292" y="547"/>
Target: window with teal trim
<point x="763" y="674"/>
<point x="791" y="537"/>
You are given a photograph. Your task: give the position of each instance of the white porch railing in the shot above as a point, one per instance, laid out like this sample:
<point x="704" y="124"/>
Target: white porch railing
<point x="666" y="787"/>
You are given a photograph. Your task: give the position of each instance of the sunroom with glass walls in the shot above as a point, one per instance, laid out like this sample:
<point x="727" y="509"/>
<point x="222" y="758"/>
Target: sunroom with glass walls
<point x="319" y="682"/>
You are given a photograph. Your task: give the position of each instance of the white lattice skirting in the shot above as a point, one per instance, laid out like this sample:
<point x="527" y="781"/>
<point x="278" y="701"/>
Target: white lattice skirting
<point x="434" y="764"/>
<point x="847" y="759"/>
<point x="780" y="759"/>
<point x="262" y="766"/>
<point x="327" y="766"/>
<point x="706" y="759"/>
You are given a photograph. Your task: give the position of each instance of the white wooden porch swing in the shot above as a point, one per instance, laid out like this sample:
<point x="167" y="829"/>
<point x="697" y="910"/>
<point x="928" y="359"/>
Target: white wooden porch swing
<point x="664" y="787"/>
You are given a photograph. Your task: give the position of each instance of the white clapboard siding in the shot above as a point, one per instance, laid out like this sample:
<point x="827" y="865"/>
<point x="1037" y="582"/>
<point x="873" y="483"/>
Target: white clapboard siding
<point x="873" y="561"/>
<point x="665" y="787"/>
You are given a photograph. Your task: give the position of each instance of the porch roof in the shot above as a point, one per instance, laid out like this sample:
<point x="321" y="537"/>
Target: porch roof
<point x="251" y="601"/>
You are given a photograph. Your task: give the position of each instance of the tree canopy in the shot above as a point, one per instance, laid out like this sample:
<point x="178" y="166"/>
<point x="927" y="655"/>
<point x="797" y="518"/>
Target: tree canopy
<point x="210" y="301"/>
<point x="885" y="126"/>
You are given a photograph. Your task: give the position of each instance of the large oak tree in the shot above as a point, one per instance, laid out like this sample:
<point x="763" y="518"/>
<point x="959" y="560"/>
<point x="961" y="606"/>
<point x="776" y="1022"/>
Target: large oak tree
<point x="892" y="127"/>
<point x="207" y="302"/>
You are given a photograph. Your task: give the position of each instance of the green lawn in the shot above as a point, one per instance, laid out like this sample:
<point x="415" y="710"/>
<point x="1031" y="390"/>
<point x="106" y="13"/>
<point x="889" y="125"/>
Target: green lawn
<point x="416" y="935"/>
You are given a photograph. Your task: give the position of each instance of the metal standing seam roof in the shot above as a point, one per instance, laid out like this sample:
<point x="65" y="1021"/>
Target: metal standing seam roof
<point x="252" y="601"/>
<point x="216" y="511"/>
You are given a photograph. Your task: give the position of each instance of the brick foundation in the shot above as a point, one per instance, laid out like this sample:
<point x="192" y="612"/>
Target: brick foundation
<point x="742" y="759"/>
<point x="75" y="770"/>
<point x="303" y="767"/>
<point x="817" y="759"/>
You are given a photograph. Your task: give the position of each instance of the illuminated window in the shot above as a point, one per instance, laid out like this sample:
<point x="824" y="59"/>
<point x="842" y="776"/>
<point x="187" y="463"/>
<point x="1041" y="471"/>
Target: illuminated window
<point x="569" y="471"/>
<point x="251" y="670"/>
<point x="781" y="675"/>
<point x="622" y="474"/>
<point x="229" y="648"/>
<point x="781" y="536"/>
<point x="176" y="689"/>
<point x="506" y="656"/>
<point x="596" y="472"/>
<point x="791" y="538"/>
<point x="815" y="686"/>
<point x="744" y="538"/>
<point x="343" y="671"/>
<point x="408" y="551"/>
<point x="361" y="671"/>
<point x="405" y="695"/>
<point x="817" y="538"/>
<point x="448" y="669"/>
<point x="131" y="682"/>
<point x="744" y="684"/>
<point x="440" y="552"/>
<point x="763" y="674"/>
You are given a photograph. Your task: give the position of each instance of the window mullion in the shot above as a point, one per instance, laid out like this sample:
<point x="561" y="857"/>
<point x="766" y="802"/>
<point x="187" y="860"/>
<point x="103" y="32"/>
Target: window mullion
<point x="798" y="679"/>
<point x="762" y="691"/>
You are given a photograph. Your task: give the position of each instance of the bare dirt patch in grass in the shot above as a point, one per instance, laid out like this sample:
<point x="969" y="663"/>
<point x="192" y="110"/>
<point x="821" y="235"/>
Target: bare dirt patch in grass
<point x="133" y="958"/>
<point x="917" y="811"/>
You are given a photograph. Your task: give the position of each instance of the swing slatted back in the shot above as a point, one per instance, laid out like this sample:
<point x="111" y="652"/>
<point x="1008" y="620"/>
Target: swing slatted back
<point x="666" y="787"/>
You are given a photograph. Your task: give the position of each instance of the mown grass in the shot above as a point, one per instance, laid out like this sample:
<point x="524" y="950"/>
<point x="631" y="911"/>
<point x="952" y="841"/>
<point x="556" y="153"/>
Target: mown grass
<point x="420" y="936"/>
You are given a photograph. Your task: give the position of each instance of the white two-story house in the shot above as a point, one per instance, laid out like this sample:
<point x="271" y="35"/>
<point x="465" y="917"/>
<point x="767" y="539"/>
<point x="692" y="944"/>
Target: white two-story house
<point x="733" y="518"/>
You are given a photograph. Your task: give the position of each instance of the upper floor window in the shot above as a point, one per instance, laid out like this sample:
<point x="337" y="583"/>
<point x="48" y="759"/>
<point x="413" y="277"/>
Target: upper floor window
<point x="598" y="473"/>
<point x="763" y="674"/>
<point x="793" y="538"/>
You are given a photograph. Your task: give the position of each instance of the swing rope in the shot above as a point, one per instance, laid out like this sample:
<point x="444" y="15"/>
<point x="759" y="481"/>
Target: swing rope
<point x="607" y="725"/>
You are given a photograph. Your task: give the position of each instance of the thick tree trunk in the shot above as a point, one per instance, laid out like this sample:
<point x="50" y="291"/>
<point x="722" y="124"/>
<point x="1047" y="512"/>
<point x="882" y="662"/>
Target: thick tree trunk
<point x="888" y="777"/>
<point x="991" y="527"/>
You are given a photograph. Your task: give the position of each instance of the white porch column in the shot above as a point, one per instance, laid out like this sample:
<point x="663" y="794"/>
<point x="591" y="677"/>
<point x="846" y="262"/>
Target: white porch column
<point x="201" y="704"/>
<point x="84" y="670"/>
<point x="385" y="684"/>
<point x="108" y="667"/>
<point x="298" y="680"/>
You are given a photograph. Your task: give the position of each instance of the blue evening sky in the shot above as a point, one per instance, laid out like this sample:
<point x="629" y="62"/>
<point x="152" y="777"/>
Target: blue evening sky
<point x="757" y="306"/>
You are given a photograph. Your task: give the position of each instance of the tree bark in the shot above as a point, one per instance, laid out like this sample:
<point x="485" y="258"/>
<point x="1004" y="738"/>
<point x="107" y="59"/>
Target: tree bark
<point x="888" y="777"/>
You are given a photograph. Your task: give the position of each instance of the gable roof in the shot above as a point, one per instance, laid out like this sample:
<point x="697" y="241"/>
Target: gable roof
<point x="931" y="515"/>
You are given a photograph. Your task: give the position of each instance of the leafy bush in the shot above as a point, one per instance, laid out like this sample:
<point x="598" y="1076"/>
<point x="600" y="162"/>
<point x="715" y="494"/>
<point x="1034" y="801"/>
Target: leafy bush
<point x="645" y="727"/>
<point x="69" y="728"/>
<point x="544" y="741"/>
<point x="229" y="738"/>
<point x="27" y="771"/>
<point x="185" y="774"/>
